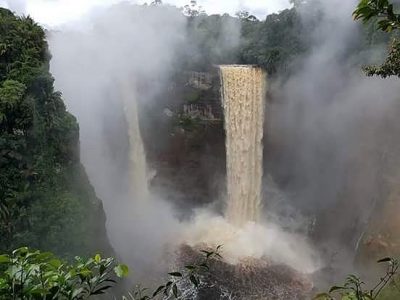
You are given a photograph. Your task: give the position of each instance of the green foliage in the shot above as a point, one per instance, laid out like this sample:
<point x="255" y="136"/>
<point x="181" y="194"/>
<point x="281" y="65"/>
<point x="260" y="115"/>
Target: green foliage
<point x="354" y="287"/>
<point x="27" y="274"/>
<point x="192" y="9"/>
<point x="188" y="123"/>
<point x="15" y="109"/>
<point x="391" y="66"/>
<point x="210" y="40"/>
<point x="46" y="200"/>
<point x="385" y="14"/>
<point x="245" y="16"/>
<point x="384" y="10"/>
<point x="23" y="48"/>
<point x="272" y="44"/>
<point x="222" y="39"/>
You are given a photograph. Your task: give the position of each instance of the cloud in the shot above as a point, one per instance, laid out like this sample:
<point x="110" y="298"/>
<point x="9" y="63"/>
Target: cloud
<point x="57" y="12"/>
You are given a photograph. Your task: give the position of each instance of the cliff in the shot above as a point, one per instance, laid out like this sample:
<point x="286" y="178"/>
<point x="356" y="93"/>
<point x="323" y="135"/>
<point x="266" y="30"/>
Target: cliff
<point x="46" y="199"/>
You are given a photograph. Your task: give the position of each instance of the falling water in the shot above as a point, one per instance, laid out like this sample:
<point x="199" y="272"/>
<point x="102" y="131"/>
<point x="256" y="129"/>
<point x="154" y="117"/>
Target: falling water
<point x="243" y="90"/>
<point x="137" y="155"/>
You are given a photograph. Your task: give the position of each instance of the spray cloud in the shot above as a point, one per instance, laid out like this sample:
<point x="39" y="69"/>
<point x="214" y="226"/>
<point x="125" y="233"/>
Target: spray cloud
<point x="102" y="69"/>
<point x="327" y="118"/>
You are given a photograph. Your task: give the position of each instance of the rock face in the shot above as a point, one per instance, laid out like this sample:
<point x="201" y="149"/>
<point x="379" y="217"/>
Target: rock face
<point x="185" y="141"/>
<point x="251" y="279"/>
<point x="380" y="237"/>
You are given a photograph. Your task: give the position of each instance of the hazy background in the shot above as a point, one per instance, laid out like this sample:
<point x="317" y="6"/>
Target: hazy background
<point x="57" y="12"/>
<point x="327" y="118"/>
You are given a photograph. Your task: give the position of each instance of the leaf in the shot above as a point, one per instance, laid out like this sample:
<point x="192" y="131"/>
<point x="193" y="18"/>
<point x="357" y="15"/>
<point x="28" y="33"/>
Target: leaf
<point x="386" y="259"/>
<point x="336" y="288"/>
<point x="97" y="258"/>
<point x="175" y="274"/>
<point x="102" y="269"/>
<point x="207" y="253"/>
<point x="44" y="256"/>
<point x="101" y="290"/>
<point x="76" y="293"/>
<point x="175" y="290"/>
<point x="4" y="259"/>
<point x="353" y="279"/>
<point x="190" y="267"/>
<point x="205" y="266"/>
<point x="55" y="263"/>
<point x="121" y="270"/>
<point x="158" y="290"/>
<point x="85" y="273"/>
<point x="21" y="251"/>
<point x="194" y="280"/>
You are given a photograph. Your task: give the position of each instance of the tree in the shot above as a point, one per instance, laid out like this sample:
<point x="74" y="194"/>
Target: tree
<point x="46" y="200"/>
<point x="272" y="43"/>
<point x="245" y="15"/>
<point x="193" y="9"/>
<point x="384" y="12"/>
<point x="156" y="2"/>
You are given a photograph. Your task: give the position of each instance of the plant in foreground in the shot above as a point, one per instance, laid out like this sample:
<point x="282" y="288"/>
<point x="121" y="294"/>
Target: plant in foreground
<point x="27" y="274"/>
<point x="354" y="287"/>
<point x="188" y="274"/>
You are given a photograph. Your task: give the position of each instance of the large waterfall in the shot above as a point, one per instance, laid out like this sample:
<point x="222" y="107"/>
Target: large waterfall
<point x="243" y="91"/>
<point x="137" y="155"/>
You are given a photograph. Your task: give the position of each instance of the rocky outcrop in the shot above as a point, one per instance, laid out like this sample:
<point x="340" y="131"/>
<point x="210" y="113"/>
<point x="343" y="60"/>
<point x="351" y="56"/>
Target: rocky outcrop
<point x="250" y="279"/>
<point x="185" y="144"/>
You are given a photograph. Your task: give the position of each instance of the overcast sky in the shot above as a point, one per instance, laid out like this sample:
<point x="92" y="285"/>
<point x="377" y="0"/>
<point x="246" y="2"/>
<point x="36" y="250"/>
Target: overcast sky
<point x="57" y="12"/>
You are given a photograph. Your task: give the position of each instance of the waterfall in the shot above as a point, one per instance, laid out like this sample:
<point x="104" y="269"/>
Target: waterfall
<point x="137" y="156"/>
<point x="243" y="91"/>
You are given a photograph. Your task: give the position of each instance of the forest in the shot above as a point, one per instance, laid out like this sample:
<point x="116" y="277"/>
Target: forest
<point x="54" y="234"/>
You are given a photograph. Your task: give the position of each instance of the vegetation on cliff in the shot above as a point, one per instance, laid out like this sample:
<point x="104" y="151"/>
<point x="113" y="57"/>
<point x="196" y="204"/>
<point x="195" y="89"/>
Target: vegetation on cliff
<point x="223" y="39"/>
<point x="46" y="200"/>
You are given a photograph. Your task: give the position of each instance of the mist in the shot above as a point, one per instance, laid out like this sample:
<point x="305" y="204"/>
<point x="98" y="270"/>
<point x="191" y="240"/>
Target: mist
<point x="112" y="66"/>
<point x="323" y="124"/>
<point x="130" y="46"/>
<point x="327" y="119"/>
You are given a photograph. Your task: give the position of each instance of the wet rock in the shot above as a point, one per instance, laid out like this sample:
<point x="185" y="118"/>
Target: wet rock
<point x="250" y="279"/>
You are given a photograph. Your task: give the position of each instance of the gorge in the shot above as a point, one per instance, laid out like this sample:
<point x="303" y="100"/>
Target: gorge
<point x="182" y="132"/>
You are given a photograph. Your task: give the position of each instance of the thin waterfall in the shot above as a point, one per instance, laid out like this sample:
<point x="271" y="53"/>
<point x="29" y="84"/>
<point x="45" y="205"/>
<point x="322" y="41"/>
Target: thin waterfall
<point x="137" y="156"/>
<point x="243" y="91"/>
